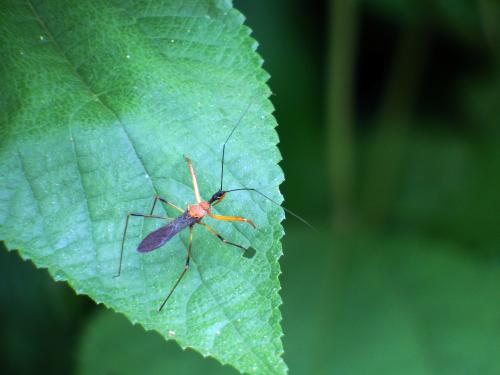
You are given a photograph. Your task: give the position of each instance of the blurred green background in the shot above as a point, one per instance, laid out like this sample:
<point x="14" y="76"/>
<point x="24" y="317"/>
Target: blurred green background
<point x="388" y="115"/>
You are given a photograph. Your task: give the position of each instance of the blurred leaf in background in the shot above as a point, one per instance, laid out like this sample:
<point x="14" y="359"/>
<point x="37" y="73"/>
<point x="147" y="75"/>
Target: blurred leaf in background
<point x="388" y="305"/>
<point x="40" y="320"/>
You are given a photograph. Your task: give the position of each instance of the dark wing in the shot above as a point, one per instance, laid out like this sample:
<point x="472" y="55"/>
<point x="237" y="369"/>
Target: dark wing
<point x="160" y="236"/>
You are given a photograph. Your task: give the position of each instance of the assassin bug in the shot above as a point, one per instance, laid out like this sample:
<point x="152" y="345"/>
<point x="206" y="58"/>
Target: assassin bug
<point x="191" y="216"/>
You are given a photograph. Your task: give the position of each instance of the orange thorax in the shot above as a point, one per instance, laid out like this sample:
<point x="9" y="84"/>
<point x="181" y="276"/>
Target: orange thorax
<point x="198" y="211"/>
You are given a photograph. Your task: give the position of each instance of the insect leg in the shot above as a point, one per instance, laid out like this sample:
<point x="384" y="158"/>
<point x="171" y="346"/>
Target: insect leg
<point x="218" y="235"/>
<point x="158" y="198"/>
<point x="193" y="177"/>
<point x="186" y="267"/>
<point x="230" y="218"/>
<point x="248" y="253"/>
<point x="125" y="233"/>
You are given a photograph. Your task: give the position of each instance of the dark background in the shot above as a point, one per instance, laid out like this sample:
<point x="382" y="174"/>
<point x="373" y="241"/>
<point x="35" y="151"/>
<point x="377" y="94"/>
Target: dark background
<point x="388" y="115"/>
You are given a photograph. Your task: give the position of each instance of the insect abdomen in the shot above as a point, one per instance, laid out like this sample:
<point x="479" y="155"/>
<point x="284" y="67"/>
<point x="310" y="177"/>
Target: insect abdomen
<point x="162" y="235"/>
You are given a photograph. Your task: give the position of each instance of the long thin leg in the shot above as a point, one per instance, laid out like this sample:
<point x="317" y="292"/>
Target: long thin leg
<point x="247" y="253"/>
<point x="186" y="267"/>
<point x="231" y="218"/>
<point x="125" y="233"/>
<point x="217" y="234"/>
<point x="193" y="177"/>
<point x="158" y="198"/>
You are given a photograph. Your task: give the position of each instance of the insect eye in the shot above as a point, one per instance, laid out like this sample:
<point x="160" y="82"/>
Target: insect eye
<point x="219" y="197"/>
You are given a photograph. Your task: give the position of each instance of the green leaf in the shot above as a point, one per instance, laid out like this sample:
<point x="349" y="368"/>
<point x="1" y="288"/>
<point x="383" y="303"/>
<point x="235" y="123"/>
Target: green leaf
<point x="389" y="305"/>
<point x="36" y="314"/>
<point x="99" y="102"/>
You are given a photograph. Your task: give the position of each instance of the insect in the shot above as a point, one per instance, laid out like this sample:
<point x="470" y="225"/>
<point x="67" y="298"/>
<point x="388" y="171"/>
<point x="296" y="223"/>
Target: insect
<point x="192" y="216"/>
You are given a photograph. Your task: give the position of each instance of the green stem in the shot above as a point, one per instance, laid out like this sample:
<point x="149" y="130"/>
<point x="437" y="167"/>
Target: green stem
<point x="341" y="54"/>
<point x="489" y="12"/>
<point x="388" y="142"/>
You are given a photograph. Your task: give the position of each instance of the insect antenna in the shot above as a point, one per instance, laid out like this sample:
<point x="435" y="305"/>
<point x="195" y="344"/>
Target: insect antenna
<point x="276" y="203"/>
<point x="252" y="189"/>
<point x="227" y="139"/>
